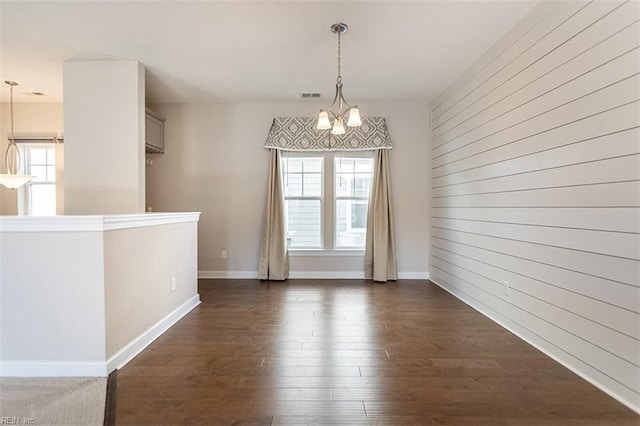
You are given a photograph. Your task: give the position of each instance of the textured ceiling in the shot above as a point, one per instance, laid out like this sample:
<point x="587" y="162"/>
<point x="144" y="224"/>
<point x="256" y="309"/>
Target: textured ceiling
<point x="258" y="51"/>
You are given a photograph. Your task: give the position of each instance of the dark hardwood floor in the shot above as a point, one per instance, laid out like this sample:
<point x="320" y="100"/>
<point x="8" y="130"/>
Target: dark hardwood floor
<point x="349" y="353"/>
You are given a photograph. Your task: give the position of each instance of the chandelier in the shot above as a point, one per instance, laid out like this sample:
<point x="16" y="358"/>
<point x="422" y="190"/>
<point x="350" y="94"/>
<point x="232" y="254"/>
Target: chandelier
<point x="344" y="110"/>
<point x="12" y="179"/>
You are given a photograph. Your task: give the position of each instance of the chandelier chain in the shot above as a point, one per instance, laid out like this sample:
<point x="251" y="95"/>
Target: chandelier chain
<point x="11" y="103"/>
<point x="339" y="79"/>
<point x="12" y="156"/>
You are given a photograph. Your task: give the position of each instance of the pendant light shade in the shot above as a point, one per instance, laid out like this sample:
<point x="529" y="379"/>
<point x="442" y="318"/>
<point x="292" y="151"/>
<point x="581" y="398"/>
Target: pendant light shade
<point x="338" y="127"/>
<point x="354" y="117"/>
<point x="323" y="121"/>
<point x="343" y="108"/>
<point x="12" y="179"/>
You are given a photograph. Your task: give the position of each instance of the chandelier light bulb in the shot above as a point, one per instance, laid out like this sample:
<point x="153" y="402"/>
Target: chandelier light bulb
<point x="338" y="127"/>
<point x="354" y="117"/>
<point x="323" y="121"/>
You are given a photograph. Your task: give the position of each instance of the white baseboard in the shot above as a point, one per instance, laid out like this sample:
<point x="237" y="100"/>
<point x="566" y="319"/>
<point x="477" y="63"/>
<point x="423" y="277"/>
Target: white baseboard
<point x="97" y="368"/>
<point x="137" y="345"/>
<point x="327" y="275"/>
<point x="53" y="369"/>
<point x="237" y="275"/>
<point x="530" y="339"/>
<point x="413" y="275"/>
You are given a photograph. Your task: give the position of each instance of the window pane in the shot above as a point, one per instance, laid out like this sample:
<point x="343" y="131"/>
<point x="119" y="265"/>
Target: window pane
<point x="51" y="173"/>
<point x="312" y="185"/>
<point x="313" y="165"/>
<point x="293" y="185"/>
<point x="42" y="200"/>
<point x="303" y="223"/>
<point x="38" y="155"/>
<point x="342" y="185"/>
<point x="39" y="194"/>
<point x="344" y="165"/>
<point x="353" y="176"/>
<point x="363" y="165"/>
<point x="351" y="223"/>
<point x="40" y="173"/>
<point x="361" y="185"/>
<point x="352" y="180"/>
<point x="302" y="176"/>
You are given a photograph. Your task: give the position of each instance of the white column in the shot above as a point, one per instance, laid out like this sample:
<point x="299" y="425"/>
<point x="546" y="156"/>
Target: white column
<point x="104" y="107"/>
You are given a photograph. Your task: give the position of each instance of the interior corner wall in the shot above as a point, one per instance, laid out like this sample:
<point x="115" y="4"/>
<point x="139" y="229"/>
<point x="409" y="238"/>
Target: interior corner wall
<point x="104" y="107"/>
<point x="30" y="119"/>
<point x="169" y="251"/>
<point x="214" y="162"/>
<point x="535" y="188"/>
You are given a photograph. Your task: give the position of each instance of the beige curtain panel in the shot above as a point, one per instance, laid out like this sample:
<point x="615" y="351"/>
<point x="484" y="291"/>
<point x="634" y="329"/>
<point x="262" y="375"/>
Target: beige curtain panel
<point x="380" y="253"/>
<point x="274" y="258"/>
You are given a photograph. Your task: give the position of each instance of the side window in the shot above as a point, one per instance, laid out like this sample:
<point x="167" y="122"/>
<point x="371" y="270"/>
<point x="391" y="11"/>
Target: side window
<point x="39" y="197"/>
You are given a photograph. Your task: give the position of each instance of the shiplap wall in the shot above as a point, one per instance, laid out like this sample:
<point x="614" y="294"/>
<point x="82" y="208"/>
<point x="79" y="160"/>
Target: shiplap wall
<point x="535" y="181"/>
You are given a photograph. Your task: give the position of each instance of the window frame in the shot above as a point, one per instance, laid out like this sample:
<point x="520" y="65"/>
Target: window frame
<point x="336" y="198"/>
<point x="328" y="200"/>
<point x="305" y="154"/>
<point x="25" y="204"/>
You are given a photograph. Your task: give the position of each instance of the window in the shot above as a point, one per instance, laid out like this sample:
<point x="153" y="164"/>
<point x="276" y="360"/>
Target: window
<point x="302" y="177"/>
<point x="326" y="198"/>
<point x="38" y="197"/>
<point x="352" y="180"/>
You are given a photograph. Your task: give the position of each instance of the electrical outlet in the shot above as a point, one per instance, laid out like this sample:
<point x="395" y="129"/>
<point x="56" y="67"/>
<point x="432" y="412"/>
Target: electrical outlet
<point x="223" y="254"/>
<point x="507" y="288"/>
<point x="173" y="283"/>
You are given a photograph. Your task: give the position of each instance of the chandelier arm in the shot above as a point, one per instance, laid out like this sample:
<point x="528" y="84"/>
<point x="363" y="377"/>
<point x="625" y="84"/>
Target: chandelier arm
<point x="340" y="102"/>
<point x="6" y="159"/>
<point x="12" y="162"/>
<point x="335" y="97"/>
<point x="344" y="101"/>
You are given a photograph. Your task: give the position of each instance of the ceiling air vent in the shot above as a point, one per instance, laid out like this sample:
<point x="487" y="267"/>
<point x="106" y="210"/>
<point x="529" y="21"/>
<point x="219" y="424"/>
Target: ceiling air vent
<point x="310" y="95"/>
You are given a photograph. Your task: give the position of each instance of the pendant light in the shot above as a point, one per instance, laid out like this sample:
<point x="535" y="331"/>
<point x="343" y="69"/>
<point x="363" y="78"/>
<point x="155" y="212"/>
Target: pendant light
<point x="344" y="112"/>
<point x="12" y="179"/>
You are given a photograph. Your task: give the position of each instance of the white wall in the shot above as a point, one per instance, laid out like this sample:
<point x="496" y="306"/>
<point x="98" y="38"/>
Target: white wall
<point x="82" y="295"/>
<point x="104" y="137"/>
<point x="215" y="162"/>
<point x="52" y="303"/>
<point x="535" y="181"/>
<point x="149" y="257"/>
<point x="30" y="119"/>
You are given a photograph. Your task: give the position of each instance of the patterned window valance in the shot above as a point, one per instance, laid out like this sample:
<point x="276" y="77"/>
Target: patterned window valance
<point x="300" y="134"/>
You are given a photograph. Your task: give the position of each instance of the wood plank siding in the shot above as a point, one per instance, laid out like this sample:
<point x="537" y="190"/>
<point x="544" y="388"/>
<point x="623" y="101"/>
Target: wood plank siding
<point x="535" y="182"/>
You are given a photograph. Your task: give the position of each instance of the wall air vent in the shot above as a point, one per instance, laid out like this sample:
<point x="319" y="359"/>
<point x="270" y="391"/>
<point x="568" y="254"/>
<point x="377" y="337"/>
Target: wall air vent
<point x="310" y="95"/>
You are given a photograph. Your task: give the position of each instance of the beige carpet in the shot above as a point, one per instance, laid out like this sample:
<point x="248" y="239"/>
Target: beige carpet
<point x="52" y="401"/>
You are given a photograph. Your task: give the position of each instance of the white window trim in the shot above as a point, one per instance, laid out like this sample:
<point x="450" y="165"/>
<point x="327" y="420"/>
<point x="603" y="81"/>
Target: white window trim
<point x="328" y="210"/>
<point x="321" y="198"/>
<point x="350" y="154"/>
<point x="341" y="252"/>
<point x="23" y="197"/>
